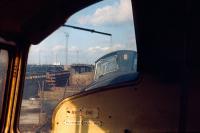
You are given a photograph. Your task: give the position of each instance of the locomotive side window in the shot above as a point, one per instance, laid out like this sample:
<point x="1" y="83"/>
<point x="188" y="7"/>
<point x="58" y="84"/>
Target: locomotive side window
<point x="96" y="43"/>
<point x="106" y="65"/>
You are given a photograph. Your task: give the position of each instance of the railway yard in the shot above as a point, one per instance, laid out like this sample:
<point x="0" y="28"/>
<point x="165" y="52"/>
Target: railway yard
<point x="40" y="100"/>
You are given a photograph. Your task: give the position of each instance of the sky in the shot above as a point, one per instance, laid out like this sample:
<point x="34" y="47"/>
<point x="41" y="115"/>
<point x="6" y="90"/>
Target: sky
<point x="110" y="16"/>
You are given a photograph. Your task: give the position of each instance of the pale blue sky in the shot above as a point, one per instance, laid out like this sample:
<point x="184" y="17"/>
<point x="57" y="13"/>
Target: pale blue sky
<point x="111" y="16"/>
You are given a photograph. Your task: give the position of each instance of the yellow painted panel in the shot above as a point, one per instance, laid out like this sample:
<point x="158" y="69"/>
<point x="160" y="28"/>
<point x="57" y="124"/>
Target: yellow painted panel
<point x="146" y="107"/>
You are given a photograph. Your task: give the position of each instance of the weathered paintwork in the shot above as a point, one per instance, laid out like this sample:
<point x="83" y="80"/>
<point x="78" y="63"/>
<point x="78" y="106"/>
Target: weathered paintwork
<point x="148" y="107"/>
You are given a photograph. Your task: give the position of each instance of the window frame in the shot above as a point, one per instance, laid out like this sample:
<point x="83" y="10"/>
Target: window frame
<point x="11" y="49"/>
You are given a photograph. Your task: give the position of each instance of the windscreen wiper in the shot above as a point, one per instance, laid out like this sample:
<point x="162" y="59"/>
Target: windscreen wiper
<point x="85" y="29"/>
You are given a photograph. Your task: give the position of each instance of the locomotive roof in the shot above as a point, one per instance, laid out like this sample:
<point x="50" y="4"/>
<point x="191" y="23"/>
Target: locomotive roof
<point x="116" y="52"/>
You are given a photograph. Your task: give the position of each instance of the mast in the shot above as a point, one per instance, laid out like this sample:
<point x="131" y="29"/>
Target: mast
<point x="66" y="48"/>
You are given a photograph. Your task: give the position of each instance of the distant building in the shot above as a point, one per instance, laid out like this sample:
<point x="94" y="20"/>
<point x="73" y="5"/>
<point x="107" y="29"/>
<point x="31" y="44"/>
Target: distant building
<point x="43" y="77"/>
<point x="81" y="68"/>
<point x="57" y="79"/>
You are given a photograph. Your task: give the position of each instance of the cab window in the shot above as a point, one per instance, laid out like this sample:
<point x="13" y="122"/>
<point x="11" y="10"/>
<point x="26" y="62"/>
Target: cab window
<point x="3" y="73"/>
<point x="74" y="57"/>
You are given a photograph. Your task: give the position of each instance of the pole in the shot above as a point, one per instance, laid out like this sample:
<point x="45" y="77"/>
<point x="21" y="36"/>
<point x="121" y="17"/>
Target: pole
<point x="66" y="52"/>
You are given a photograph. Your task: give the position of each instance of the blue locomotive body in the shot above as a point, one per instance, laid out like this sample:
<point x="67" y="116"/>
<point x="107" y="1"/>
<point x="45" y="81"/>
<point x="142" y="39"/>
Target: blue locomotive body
<point x="115" y="68"/>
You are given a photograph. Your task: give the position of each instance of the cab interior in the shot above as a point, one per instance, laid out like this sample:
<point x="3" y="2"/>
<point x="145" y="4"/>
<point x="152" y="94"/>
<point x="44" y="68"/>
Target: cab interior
<point x="164" y="97"/>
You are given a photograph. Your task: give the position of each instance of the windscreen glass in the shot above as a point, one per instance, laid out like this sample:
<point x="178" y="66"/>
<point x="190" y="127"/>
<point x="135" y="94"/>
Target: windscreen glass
<point x="3" y="73"/>
<point x="92" y="44"/>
